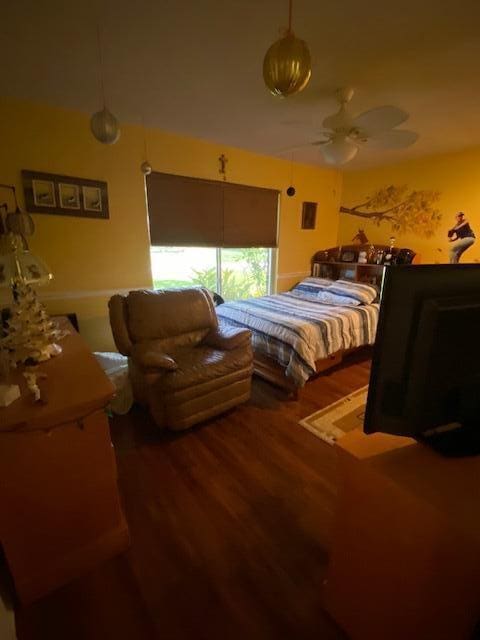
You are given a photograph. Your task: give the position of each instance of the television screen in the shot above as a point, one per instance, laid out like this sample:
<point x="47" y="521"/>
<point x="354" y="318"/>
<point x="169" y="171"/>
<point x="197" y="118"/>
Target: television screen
<point x="425" y="379"/>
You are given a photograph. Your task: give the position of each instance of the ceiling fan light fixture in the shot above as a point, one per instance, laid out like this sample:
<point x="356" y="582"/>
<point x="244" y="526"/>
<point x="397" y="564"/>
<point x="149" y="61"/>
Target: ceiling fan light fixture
<point x="339" y="151"/>
<point x="344" y="134"/>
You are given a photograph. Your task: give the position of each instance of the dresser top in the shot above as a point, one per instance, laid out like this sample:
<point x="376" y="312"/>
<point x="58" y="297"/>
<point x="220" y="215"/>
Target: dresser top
<point x="74" y="387"/>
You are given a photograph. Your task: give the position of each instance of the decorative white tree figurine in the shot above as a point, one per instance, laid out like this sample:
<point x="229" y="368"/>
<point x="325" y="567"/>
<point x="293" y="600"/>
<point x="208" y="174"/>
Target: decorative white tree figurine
<point x="31" y="335"/>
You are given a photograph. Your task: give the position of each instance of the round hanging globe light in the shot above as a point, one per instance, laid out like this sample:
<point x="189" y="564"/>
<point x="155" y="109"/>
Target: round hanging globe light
<point x="287" y="66"/>
<point x="104" y="127"/>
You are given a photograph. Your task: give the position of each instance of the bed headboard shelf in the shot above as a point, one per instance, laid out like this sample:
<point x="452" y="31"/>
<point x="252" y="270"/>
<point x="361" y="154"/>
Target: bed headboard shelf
<point x="342" y="262"/>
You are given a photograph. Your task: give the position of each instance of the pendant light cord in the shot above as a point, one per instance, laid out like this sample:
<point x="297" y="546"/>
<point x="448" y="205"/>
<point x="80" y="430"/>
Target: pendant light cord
<point x="145" y="151"/>
<point x="100" y="64"/>
<point x="290" y="3"/>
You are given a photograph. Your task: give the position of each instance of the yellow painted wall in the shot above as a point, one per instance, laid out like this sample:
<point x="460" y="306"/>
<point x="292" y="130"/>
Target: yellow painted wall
<point x="455" y="175"/>
<point x="92" y="258"/>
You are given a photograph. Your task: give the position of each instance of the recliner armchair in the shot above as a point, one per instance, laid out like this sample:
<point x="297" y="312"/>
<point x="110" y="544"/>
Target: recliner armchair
<point x="182" y="365"/>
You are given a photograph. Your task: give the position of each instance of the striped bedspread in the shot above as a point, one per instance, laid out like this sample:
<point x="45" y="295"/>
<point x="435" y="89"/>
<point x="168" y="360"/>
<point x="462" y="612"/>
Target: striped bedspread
<point x="296" y="330"/>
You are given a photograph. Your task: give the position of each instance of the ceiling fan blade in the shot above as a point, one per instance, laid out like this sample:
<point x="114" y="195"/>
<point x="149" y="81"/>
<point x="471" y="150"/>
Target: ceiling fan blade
<point x="394" y="139"/>
<point x="379" y="119"/>
<point x="297" y="147"/>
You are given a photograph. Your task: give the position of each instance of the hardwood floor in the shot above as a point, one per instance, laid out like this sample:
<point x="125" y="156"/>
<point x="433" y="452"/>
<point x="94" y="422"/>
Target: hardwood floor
<point x="230" y="526"/>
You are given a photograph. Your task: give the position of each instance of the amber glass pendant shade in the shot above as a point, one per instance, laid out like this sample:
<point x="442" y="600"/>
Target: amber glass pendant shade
<point x="287" y="66"/>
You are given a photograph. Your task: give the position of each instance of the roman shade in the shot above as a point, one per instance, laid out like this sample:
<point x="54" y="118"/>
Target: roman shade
<point x="208" y="213"/>
<point x="183" y="211"/>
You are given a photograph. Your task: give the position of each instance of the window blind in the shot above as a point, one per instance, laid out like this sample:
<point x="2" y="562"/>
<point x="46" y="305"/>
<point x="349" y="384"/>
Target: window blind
<point x="250" y="216"/>
<point x="209" y="213"/>
<point x="184" y="211"/>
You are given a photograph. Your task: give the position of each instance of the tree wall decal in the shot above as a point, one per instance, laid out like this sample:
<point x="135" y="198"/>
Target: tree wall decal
<point x="405" y="209"/>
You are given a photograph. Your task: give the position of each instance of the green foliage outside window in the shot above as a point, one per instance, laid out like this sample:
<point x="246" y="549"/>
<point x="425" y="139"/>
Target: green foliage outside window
<point x="244" y="274"/>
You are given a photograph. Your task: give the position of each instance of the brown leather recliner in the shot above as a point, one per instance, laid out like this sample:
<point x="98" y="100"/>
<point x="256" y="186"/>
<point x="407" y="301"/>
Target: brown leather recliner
<point x="182" y="365"/>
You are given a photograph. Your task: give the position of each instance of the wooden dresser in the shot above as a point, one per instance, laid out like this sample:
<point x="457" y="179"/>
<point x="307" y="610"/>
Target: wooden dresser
<point x="59" y="502"/>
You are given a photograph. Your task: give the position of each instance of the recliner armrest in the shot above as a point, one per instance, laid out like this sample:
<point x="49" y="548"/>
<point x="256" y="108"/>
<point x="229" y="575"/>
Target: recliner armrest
<point x="118" y="322"/>
<point x="226" y="339"/>
<point x="149" y="357"/>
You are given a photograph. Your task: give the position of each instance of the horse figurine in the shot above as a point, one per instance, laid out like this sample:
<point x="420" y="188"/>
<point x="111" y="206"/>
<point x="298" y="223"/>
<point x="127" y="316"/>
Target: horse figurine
<point x="360" y="238"/>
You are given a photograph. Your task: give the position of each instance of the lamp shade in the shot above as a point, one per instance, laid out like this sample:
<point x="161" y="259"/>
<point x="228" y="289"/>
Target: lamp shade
<point x="18" y="265"/>
<point x="104" y="127"/>
<point x="31" y="269"/>
<point x="339" y="151"/>
<point x="287" y="66"/>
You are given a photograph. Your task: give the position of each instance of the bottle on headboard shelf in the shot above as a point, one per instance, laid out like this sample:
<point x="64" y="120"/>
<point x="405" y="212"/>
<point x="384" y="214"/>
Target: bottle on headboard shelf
<point x="371" y="254"/>
<point x="389" y="253"/>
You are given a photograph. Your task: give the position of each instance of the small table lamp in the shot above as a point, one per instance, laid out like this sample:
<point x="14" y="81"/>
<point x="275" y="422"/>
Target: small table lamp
<point x="18" y="265"/>
<point x="27" y="335"/>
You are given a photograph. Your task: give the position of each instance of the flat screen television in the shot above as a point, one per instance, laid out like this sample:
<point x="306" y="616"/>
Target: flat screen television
<point x="425" y="378"/>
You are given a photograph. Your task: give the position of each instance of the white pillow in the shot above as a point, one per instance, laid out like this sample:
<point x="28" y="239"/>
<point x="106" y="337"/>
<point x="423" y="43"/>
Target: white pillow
<point x="332" y="298"/>
<point x="364" y="293"/>
<point x="312" y="286"/>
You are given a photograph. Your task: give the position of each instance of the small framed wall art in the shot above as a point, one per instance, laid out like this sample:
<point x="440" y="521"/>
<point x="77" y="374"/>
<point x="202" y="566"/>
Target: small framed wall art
<point x="69" y="196"/>
<point x="44" y="193"/>
<point x="92" y="198"/>
<point x="309" y="215"/>
<point x="64" y="195"/>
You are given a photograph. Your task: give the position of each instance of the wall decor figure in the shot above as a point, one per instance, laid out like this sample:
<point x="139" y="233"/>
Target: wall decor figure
<point x="402" y="208"/>
<point x="461" y="236"/>
<point x="360" y="238"/>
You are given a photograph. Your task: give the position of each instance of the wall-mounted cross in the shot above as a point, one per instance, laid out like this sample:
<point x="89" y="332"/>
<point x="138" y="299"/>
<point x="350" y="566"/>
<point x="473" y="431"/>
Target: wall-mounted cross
<point x="223" y="165"/>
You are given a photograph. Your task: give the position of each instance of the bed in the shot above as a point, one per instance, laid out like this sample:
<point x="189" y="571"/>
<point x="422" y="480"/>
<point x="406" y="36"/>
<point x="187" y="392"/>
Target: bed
<point x="301" y="332"/>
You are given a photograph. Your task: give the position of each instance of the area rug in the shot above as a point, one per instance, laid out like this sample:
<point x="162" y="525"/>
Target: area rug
<point x="334" y="421"/>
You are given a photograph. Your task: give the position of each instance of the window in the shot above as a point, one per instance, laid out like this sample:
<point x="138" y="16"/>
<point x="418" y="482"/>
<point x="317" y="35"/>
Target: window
<point x="233" y="273"/>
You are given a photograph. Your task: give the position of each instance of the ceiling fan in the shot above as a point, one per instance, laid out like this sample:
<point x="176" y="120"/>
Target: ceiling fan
<point x="344" y="134"/>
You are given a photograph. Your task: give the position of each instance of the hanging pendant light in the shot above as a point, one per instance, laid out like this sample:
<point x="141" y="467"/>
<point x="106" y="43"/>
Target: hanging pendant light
<point x="103" y="124"/>
<point x="104" y="127"/>
<point x="287" y="64"/>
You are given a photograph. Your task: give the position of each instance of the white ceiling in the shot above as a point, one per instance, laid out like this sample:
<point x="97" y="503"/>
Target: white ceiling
<point x="195" y="66"/>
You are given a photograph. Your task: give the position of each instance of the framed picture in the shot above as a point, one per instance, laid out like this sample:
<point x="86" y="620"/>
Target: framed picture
<point x="59" y="195"/>
<point x="349" y="255"/>
<point x="92" y="199"/>
<point x="69" y="195"/>
<point x="309" y="215"/>
<point x="44" y="193"/>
